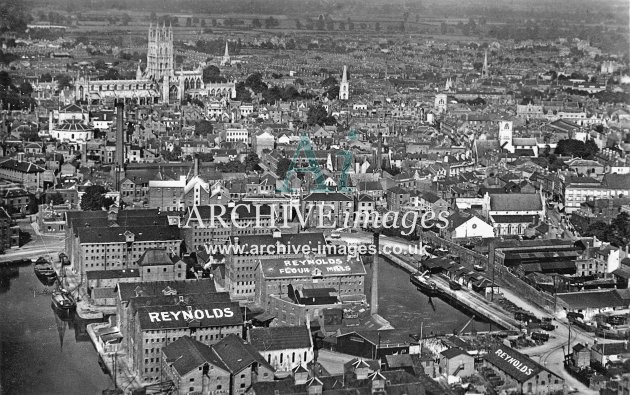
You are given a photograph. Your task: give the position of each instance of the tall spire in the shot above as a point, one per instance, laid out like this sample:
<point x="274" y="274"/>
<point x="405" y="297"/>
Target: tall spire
<point x="344" y="87"/>
<point x="484" y="71"/>
<point x="226" y="56"/>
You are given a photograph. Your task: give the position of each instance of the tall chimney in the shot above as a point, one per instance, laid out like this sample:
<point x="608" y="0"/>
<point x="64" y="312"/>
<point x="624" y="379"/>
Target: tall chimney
<point x="375" y="260"/>
<point x="84" y="153"/>
<point x="379" y="152"/>
<point x="196" y="166"/>
<point x="120" y="135"/>
<point x="120" y="143"/>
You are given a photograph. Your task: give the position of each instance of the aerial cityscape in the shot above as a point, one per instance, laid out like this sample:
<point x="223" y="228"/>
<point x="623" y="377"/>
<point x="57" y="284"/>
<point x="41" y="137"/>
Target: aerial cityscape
<point x="314" y="197"/>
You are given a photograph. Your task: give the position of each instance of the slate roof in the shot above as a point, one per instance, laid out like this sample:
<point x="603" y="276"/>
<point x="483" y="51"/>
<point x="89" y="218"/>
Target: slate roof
<point x="516" y="202"/>
<point x="617" y="181"/>
<point x="511" y="361"/>
<point x="21" y="167"/>
<point x="89" y="235"/>
<point x="453" y="352"/>
<point x="237" y="354"/>
<point x="187" y="354"/>
<point x="155" y="257"/>
<point x="595" y="299"/>
<point x="156" y="288"/>
<point x="298" y="239"/>
<point x="327" y="197"/>
<point x="280" y="338"/>
<point x="513" y="219"/>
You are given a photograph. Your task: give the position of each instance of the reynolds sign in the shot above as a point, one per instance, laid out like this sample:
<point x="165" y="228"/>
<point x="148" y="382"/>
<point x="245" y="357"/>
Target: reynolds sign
<point x="188" y="315"/>
<point x="517" y="363"/>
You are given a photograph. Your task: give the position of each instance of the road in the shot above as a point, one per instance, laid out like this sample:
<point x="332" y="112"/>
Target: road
<point x="551" y="354"/>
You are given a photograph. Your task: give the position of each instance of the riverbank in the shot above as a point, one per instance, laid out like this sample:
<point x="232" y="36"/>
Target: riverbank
<point x="43" y="351"/>
<point x="472" y="302"/>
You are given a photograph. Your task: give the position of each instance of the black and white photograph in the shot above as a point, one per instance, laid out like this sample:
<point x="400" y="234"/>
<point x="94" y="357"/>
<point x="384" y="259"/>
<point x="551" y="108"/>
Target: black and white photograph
<point x="314" y="197"/>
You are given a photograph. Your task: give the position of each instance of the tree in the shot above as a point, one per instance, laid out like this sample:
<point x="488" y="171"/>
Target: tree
<point x="330" y="81"/>
<point x="271" y="22"/>
<point x="251" y="162"/>
<point x="33" y="204"/>
<point x="577" y="148"/>
<point x="26" y="88"/>
<point x="203" y="127"/>
<point x="317" y="115"/>
<point x="255" y="83"/>
<point x="173" y="155"/>
<point x="5" y="79"/>
<point x="13" y="16"/>
<point x="111" y="74"/>
<point x="205" y="157"/>
<point x="283" y="167"/>
<point x="125" y="19"/>
<point x="55" y="198"/>
<point x="63" y="81"/>
<point x="46" y="77"/>
<point x="212" y="74"/>
<point x="94" y="198"/>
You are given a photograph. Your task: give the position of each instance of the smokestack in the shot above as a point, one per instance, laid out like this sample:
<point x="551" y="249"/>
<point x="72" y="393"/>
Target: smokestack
<point x="375" y="260"/>
<point x="120" y="135"/>
<point x="84" y="153"/>
<point x="379" y="151"/>
<point x="196" y="166"/>
<point x="120" y="143"/>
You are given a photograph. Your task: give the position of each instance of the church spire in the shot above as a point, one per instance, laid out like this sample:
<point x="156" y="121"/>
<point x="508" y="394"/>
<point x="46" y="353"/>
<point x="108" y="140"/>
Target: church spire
<point x="344" y="88"/>
<point x="226" y="56"/>
<point x="484" y="71"/>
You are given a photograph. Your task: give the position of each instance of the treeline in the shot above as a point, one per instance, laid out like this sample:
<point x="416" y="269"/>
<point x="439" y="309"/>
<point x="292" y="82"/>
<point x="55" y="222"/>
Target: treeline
<point x="15" y="97"/>
<point x="254" y="84"/>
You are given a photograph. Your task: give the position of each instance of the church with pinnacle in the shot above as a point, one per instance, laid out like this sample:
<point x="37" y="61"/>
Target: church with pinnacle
<point x="159" y="83"/>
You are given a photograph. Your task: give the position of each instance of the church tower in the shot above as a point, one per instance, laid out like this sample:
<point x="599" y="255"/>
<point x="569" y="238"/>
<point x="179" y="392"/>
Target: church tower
<point x="484" y="70"/>
<point x="505" y="135"/>
<point x="160" y="57"/>
<point x="225" y="61"/>
<point x="344" y="87"/>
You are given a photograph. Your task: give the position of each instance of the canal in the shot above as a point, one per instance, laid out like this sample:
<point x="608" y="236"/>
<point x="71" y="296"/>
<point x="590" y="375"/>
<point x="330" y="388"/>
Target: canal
<point x="42" y="352"/>
<point x="407" y="308"/>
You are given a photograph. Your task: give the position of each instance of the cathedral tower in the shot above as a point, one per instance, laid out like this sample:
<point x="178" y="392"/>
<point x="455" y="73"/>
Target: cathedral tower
<point x="344" y="87"/>
<point x="160" y="52"/>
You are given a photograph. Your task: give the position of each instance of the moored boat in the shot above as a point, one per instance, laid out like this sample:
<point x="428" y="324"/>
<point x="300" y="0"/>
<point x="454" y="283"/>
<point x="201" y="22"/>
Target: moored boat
<point x="44" y="269"/>
<point x="63" y="300"/>
<point x="424" y="284"/>
<point x="455" y="286"/>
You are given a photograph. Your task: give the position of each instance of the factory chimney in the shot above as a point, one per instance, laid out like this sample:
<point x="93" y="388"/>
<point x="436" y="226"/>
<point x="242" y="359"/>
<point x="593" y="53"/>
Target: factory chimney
<point x="120" y="142"/>
<point x="379" y="152"/>
<point x="375" y="260"/>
